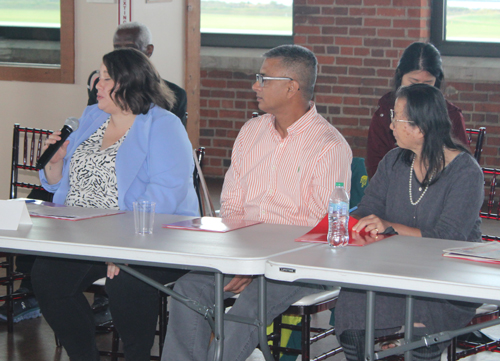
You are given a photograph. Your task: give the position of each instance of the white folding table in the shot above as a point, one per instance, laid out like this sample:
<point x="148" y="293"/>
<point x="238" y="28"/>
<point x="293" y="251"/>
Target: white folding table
<point x="112" y="238"/>
<point x="403" y="265"/>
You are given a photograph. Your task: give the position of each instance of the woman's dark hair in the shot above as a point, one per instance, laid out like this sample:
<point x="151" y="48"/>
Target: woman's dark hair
<point x="137" y="83"/>
<point x="426" y="108"/>
<point x="420" y="56"/>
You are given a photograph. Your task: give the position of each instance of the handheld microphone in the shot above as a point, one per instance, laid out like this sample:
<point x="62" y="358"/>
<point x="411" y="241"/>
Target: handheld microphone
<point x="70" y="125"/>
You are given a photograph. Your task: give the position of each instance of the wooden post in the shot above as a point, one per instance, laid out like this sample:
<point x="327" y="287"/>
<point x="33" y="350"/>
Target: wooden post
<point x="192" y="81"/>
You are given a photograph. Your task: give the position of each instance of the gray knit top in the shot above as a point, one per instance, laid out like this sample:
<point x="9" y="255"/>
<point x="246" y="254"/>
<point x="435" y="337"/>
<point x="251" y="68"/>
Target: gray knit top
<point x="448" y="210"/>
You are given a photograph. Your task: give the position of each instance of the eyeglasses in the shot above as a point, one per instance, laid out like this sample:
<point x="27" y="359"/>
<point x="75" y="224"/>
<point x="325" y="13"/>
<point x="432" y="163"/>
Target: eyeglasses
<point x="398" y="120"/>
<point x="260" y="78"/>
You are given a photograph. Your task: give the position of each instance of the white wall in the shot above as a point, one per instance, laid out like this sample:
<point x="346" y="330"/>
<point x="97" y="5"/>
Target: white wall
<point x="48" y="105"/>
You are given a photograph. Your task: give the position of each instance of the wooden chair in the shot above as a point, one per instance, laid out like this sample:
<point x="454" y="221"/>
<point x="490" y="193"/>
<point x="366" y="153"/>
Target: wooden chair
<point x="491" y="208"/>
<point x="480" y="133"/>
<point x="475" y="342"/>
<point x="205" y="202"/>
<point x="24" y="159"/>
<point x="304" y="308"/>
<point x="26" y="149"/>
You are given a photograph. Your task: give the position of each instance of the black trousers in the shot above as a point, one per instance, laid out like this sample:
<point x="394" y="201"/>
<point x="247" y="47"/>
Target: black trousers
<point x="59" y="284"/>
<point x="24" y="264"/>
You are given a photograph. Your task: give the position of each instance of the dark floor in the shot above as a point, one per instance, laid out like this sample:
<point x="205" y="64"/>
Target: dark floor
<point x="33" y="340"/>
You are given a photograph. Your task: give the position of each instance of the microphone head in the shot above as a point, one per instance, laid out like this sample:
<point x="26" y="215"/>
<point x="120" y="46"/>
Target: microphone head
<point x="73" y="123"/>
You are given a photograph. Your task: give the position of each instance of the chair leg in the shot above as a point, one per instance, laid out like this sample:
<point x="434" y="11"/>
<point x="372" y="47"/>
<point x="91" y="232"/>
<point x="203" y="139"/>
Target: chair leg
<point x="306" y="337"/>
<point x="452" y="350"/>
<point x="277" y="330"/>
<point x="163" y="322"/>
<point x="115" y="345"/>
<point x="10" y="290"/>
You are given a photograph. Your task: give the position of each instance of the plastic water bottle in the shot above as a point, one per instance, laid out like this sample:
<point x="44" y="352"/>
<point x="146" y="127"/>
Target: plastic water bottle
<point x="338" y="217"/>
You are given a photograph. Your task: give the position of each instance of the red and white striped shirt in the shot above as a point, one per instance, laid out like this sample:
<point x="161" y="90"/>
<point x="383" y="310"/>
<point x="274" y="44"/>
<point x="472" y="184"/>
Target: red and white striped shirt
<point x="285" y="181"/>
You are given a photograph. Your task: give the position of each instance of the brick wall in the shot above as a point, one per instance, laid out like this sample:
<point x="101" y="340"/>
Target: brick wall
<point x="358" y="44"/>
<point x="480" y="104"/>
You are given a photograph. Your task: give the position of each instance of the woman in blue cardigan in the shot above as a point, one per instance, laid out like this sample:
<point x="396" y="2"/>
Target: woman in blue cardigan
<point x="127" y="148"/>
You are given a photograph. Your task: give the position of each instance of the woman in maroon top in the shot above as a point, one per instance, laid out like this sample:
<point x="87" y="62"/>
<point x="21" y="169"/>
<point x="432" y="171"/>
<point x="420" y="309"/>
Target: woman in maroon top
<point x="420" y="63"/>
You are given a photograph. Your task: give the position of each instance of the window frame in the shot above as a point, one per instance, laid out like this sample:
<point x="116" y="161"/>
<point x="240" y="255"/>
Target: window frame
<point x="244" y="40"/>
<point x="456" y="48"/>
<point x="65" y="73"/>
<point x="247" y="40"/>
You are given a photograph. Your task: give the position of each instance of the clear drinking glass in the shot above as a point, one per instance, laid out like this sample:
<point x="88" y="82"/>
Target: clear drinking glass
<point x="144" y="215"/>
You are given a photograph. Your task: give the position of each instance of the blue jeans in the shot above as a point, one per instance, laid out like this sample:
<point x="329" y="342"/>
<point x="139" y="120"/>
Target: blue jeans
<point x="188" y="334"/>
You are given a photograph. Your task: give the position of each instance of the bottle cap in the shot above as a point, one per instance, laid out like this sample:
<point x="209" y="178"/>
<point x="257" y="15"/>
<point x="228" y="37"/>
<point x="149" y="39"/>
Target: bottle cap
<point x="339" y="184"/>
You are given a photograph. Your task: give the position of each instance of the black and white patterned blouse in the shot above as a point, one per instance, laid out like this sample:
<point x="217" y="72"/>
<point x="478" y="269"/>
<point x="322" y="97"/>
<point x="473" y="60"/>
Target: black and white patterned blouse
<point x="92" y="173"/>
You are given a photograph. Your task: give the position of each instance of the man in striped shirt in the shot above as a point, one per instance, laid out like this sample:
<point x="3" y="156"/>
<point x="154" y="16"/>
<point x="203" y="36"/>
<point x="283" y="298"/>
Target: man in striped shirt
<point x="284" y="166"/>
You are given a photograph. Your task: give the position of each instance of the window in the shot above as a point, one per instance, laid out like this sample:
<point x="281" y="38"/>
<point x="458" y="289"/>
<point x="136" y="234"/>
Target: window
<point x="37" y="40"/>
<point x="466" y="28"/>
<point x="250" y="23"/>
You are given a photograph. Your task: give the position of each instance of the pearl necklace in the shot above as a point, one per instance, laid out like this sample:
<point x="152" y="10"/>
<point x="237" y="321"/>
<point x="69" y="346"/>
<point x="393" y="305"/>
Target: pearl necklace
<point x="426" y="187"/>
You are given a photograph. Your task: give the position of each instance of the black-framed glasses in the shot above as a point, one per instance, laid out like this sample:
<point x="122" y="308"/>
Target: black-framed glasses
<point x="398" y="120"/>
<point x="260" y="78"/>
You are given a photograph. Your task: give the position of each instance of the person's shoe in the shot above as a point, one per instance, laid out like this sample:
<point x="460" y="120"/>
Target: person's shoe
<point x="24" y="309"/>
<point x="101" y="302"/>
<point x="103" y="317"/>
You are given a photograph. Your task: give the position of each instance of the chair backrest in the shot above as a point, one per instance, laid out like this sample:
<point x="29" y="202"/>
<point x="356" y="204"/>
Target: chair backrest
<point x="486" y="237"/>
<point x="204" y="201"/>
<point x="359" y="181"/>
<point x="491" y="208"/>
<point x="26" y="149"/>
<point x="184" y="120"/>
<point x="480" y="133"/>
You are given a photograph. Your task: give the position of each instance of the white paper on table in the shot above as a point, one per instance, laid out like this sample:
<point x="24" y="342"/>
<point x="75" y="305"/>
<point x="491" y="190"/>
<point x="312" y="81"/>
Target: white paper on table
<point x="12" y="214"/>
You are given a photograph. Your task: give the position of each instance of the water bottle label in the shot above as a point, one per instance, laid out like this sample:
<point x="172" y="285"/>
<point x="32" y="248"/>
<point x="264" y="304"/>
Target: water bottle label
<point x="338" y="207"/>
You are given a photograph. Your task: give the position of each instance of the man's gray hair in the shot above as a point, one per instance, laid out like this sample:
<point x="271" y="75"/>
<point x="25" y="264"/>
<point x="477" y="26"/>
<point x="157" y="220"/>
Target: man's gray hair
<point x="144" y="36"/>
<point x="301" y="62"/>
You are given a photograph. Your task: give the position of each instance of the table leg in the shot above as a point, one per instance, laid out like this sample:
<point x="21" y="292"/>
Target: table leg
<point x="410" y="301"/>
<point x="216" y="316"/>
<point x="370" y="326"/>
<point x="219" y="316"/>
<point x="264" y="347"/>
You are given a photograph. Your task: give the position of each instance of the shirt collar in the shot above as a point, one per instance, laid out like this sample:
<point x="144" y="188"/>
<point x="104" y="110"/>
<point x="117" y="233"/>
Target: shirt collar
<point x="299" y="125"/>
<point x="303" y="122"/>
